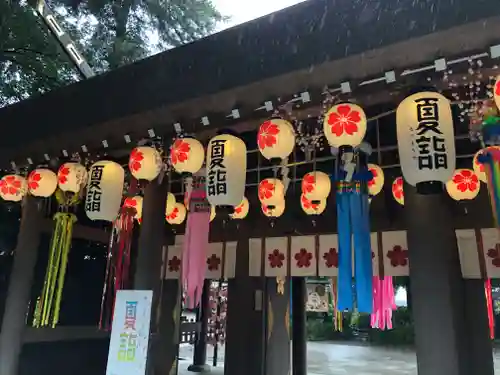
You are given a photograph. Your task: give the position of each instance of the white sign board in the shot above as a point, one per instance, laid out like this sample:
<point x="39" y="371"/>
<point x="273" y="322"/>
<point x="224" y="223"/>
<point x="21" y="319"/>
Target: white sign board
<point x="128" y="347"/>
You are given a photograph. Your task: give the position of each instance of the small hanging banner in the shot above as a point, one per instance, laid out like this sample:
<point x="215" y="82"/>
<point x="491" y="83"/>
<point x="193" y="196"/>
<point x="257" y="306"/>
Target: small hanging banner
<point x="130" y="333"/>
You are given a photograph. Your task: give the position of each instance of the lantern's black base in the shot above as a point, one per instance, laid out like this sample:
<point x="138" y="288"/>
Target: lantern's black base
<point x="430" y="187"/>
<point x="199" y="368"/>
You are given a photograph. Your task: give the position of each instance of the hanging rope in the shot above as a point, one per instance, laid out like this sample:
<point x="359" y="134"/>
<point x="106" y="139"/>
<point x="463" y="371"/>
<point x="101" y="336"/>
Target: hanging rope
<point x="49" y="303"/>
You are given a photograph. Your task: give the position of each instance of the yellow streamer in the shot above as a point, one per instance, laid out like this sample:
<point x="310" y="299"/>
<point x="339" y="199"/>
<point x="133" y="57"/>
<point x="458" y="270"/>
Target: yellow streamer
<point x="49" y="303"/>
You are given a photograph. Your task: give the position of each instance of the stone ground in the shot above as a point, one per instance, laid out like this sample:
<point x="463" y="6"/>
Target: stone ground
<point x="326" y="358"/>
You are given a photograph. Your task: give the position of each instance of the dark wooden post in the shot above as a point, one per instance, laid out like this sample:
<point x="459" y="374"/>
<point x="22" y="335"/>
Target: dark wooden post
<point x="18" y="294"/>
<point x="200" y="346"/>
<point x="299" y="326"/>
<point x="149" y="260"/>
<point x="442" y="334"/>
<point x="245" y="325"/>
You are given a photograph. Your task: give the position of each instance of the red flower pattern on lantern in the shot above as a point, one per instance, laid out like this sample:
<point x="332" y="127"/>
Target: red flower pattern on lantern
<point x="374" y="174"/>
<point x="308" y="183"/>
<point x="308" y="204"/>
<point x="136" y="157"/>
<point x="344" y="120"/>
<point x="267" y="134"/>
<point x="238" y="209"/>
<point x="266" y="189"/>
<point x="494" y="254"/>
<point x="497" y="88"/>
<point x="34" y="179"/>
<point x="397" y="188"/>
<point x="466" y="180"/>
<point x="276" y="259"/>
<point x="179" y="152"/>
<point x="130" y="203"/>
<point x="174" y="264"/>
<point x="173" y="214"/>
<point x="213" y="262"/>
<point x="479" y="165"/>
<point x="331" y="258"/>
<point x="398" y="256"/>
<point x="10" y="185"/>
<point x="62" y="174"/>
<point x="303" y="258"/>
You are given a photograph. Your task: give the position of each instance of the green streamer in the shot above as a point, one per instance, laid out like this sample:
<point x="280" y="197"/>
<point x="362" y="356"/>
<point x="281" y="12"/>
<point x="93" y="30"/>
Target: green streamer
<point x="49" y="303"/>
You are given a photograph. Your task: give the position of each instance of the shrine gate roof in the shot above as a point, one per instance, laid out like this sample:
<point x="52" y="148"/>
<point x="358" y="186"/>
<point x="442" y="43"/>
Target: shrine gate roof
<point x="313" y="44"/>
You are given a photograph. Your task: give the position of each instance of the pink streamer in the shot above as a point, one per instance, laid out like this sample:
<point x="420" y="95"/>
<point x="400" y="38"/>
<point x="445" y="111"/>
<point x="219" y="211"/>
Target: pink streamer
<point x="195" y="245"/>
<point x="383" y="303"/>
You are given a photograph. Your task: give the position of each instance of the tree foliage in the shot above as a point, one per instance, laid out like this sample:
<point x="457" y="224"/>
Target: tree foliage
<point x="110" y="33"/>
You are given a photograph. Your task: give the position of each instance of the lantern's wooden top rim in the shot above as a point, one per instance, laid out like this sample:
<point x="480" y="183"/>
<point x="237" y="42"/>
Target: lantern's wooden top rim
<point x="470" y="37"/>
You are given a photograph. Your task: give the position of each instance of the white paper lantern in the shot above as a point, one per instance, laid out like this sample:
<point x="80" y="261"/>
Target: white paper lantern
<point x="178" y="215"/>
<point x="169" y="206"/>
<point x="496" y="92"/>
<point x="13" y="187"/>
<point x="376" y="184"/>
<point x="316" y="185"/>
<point x="145" y="163"/>
<point x="42" y="182"/>
<point x="274" y="211"/>
<point x="104" y="190"/>
<point x="345" y="125"/>
<point x="187" y="155"/>
<point x="135" y="203"/>
<point x="426" y="139"/>
<point x="226" y="170"/>
<point x="71" y="177"/>
<point x="241" y="210"/>
<point x="397" y="190"/>
<point x="312" y="208"/>
<point x="212" y="213"/>
<point x="276" y="139"/>
<point x="464" y="185"/>
<point x="271" y="192"/>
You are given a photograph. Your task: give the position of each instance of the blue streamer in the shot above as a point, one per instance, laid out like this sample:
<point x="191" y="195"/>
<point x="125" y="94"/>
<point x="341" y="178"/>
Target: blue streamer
<point x="345" y="293"/>
<point x="363" y="271"/>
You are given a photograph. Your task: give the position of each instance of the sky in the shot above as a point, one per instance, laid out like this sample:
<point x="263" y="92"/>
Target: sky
<point x="242" y="11"/>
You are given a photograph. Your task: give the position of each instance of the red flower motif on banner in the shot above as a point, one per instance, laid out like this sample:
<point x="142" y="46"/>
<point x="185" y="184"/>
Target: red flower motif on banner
<point x="345" y="120"/>
<point x="497" y="88"/>
<point x="373" y="180"/>
<point x="179" y="152"/>
<point x="331" y="258"/>
<point x="494" y="254"/>
<point x="10" y="185"/>
<point x="466" y="180"/>
<point x="173" y="214"/>
<point x="62" y="174"/>
<point x="34" y="179"/>
<point x="213" y="262"/>
<point x="398" y="256"/>
<point x="267" y="136"/>
<point x="303" y="258"/>
<point x="308" y="183"/>
<point x="174" y="264"/>
<point x="266" y="189"/>
<point x="276" y="259"/>
<point x="136" y="157"/>
<point x="308" y="204"/>
<point x="397" y="188"/>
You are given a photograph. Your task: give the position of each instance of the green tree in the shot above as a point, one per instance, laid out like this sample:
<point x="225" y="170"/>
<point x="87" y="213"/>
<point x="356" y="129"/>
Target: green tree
<point x="31" y="62"/>
<point x="110" y="33"/>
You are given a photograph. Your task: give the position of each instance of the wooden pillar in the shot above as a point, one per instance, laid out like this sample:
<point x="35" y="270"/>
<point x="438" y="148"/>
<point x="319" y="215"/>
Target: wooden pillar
<point x="200" y="346"/>
<point x="149" y="261"/>
<point x="21" y="279"/>
<point x="442" y="334"/>
<point x="277" y="345"/>
<point x="299" y="326"/>
<point x="245" y="324"/>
